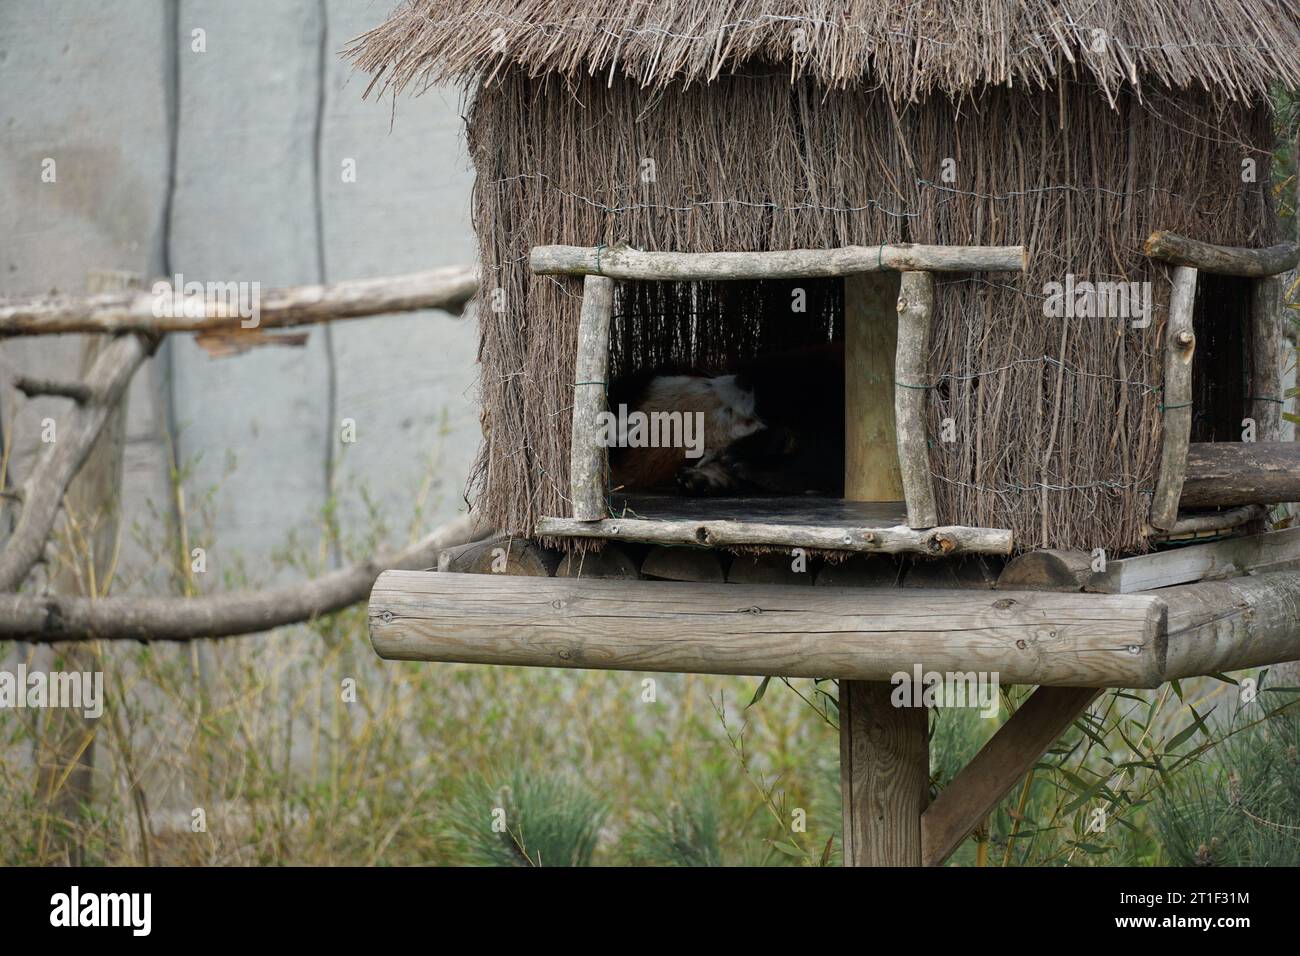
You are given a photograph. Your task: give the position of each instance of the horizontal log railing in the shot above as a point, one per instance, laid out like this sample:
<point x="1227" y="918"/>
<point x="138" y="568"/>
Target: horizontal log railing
<point x="727" y="533"/>
<point x="622" y="262"/>
<point x="1222" y="260"/>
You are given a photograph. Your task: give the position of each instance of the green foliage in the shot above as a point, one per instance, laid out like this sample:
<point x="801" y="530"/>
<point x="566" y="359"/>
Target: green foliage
<point x="686" y="834"/>
<point x="1241" y="810"/>
<point x="531" y="820"/>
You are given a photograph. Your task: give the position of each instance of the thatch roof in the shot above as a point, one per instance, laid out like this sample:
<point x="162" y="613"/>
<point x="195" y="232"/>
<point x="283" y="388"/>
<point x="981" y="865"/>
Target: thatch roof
<point x="1235" y="48"/>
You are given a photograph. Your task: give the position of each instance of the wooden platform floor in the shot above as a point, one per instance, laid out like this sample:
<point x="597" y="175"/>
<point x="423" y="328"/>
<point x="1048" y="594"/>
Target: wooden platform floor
<point x="792" y="511"/>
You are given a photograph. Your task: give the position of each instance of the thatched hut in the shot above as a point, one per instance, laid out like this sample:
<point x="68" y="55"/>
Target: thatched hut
<point x="1073" y="130"/>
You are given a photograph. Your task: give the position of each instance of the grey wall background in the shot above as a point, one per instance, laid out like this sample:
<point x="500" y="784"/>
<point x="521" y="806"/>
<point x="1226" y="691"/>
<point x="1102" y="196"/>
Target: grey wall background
<point x="227" y="165"/>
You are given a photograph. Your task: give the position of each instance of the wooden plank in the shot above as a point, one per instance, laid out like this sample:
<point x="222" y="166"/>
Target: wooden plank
<point x="1255" y="552"/>
<point x="1266" y="358"/>
<point x="777" y="630"/>
<point x="884" y="775"/>
<point x="1221" y="474"/>
<point x="1180" y="344"/>
<point x="589" y="458"/>
<point x="623" y="262"/>
<point x="1073" y="570"/>
<point x="1223" y="260"/>
<point x="720" y="534"/>
<point x="1221" y="626"/>
<point x="1005" y="759"/>
<point x="915" y="312"/>
<point x="870" y="331"/>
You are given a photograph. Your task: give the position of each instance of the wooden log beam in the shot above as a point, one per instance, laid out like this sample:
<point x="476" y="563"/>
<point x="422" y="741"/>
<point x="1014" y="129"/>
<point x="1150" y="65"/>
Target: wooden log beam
<point x="1006" y="758"/>
<point x="774" y="630"/>
<point x="500" y="554"/>
<point x="915" y="311"/>
<point x="884" y="775"/>
<point x="622" y="262"/>
<point x="588" y="456"/>
<point x="1222" y="474"/>
<point x="727" y="533"/>
<point x="448" y="289"/>
<point x="1180" y="345"/>
<point x="1220" y="626"/>
<point x="1047" y="569"/>
<point x="1212" y="521"/>
<point x="1224" y="260"/>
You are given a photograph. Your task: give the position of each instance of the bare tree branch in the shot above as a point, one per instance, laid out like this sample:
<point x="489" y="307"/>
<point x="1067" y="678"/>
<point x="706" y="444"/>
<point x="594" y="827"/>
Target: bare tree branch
<point x="448" y="288"/>
<point x="42" y="493"/>
<point x="44" y="619"/>
<point x="32" y="387"/>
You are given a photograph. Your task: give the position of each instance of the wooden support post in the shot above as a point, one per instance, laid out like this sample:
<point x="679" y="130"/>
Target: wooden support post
<point x="871" y="471"/>
<point x="1180" y="344"/>
<point x="1266" y="358"/>
<point x="1016" y="747"/>
<point x="884" y="750"/>
<point x="884" y="776"/>
<point x="589" y="458"/>
<point x="915" y="314"/>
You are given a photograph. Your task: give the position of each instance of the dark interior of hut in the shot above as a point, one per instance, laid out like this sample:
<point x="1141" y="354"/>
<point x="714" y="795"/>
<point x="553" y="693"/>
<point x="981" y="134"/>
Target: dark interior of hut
<point x="1220" y="365"/>
<point x="760" y="365"/>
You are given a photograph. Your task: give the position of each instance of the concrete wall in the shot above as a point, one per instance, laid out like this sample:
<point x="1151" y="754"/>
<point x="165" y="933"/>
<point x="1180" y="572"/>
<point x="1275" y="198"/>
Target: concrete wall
<point x="226" y="163"/>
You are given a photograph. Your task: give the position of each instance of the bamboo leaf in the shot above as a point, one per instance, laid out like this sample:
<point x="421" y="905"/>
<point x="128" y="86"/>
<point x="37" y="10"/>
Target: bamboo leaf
<point x="758" y="694"/>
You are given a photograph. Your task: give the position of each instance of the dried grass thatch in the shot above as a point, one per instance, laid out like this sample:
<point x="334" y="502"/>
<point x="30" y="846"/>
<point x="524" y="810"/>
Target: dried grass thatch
<point x="1059" y="421"/>
<point x="911" y="48"/>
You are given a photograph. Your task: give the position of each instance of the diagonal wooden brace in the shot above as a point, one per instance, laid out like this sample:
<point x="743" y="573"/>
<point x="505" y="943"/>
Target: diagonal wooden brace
<point x="1006" y="758"/>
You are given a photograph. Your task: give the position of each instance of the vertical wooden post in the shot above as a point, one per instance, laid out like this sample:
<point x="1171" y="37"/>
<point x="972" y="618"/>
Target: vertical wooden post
<point x="884" y="776"/>
<point x="871" y="470"/>
<point x="1176" y="403"/>
<point x="915" y="314"/>
<point x="588" y="457"/>
<point x="1265" y="382"/>
<point x="884" y="751"/>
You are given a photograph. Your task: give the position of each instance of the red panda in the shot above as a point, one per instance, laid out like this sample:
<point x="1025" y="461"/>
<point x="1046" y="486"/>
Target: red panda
<point x="773" y="426"/>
